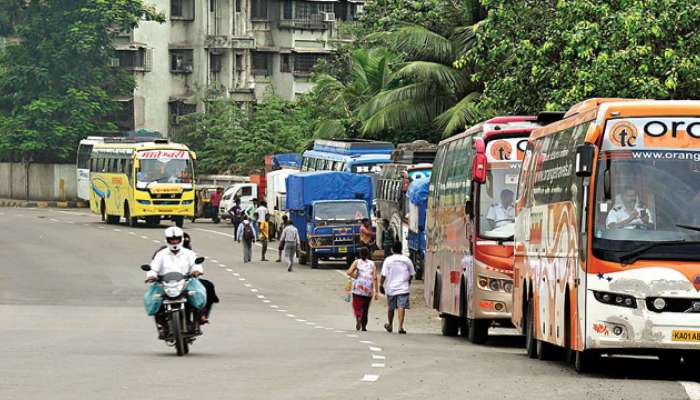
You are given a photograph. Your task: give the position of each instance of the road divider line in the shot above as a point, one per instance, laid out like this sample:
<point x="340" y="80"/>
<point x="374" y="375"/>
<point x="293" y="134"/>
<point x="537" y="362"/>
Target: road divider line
<point x="351" y="335"/>
<point x="227" y="269"/>
<point x="247" y="285"/>
<point x="236" y="274"/>
<point x="375" y="348"/>
<point x="144" y="237"/>
<point x="366" y="341"/>
<point x="216" y="232"/>
<point x="291" y="315"/>
<point x="254" y="290"/>
<point x="377" y="365"/>
<point x="266" y="301"/>
<point x="261" y="296"/>
<point x="301" y="320"/>
<point x="370" y="378"/>
<point x="378" y="357"/>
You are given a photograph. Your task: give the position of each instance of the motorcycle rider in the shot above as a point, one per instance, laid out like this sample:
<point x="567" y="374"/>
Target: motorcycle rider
<point x="173" y="258"/>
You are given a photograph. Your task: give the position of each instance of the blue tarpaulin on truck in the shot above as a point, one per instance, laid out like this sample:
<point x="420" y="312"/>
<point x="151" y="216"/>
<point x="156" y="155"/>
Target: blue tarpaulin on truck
<point x="418" y="191"/>
<point x="306" y="187"/>
<point x="286" y="160"/>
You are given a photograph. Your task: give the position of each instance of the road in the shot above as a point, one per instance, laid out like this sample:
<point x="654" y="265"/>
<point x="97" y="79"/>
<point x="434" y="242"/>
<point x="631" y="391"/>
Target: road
<point x="73" y="326"/>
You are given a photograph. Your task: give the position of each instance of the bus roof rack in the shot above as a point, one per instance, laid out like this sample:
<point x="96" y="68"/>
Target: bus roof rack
<point x="416" y="152"/>
<point x="353" y="146"/>
<point x="548" y="117"/>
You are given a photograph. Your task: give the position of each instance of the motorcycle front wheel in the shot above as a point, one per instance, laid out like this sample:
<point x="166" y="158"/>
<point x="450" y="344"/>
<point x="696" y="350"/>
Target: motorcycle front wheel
<point x="181" y="345"/>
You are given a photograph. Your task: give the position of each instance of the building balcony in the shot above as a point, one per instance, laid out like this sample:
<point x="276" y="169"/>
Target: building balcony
<point x="316" y="24"/>
<point x="229" y="42"/>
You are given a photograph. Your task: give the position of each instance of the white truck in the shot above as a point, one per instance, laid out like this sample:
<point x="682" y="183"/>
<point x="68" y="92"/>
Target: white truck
<point x="244" y="191"/>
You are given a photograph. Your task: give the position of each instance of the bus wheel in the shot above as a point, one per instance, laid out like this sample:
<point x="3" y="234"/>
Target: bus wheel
<point x="544" y="350"/>
<point x="450" y="325"/>
<point x="179" y="221"/>
<point x="478" y="330"/>
<point x="691" y="359"/>
<point x="530" y="331"/>
<point x="436" y="293"/>
<point x="131" y="221"/>
<point x="584" y="360"/>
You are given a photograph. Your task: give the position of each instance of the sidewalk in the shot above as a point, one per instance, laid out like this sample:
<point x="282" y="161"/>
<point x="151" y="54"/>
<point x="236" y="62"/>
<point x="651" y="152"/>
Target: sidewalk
<point x="42" y="204"/>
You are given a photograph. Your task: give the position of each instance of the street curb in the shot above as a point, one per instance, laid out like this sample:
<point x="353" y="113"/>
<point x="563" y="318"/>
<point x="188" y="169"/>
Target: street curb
<point x="42" y="204"/>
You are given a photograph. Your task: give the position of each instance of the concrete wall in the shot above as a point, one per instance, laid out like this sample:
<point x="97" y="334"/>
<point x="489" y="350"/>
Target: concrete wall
<point x="46" y="182"/>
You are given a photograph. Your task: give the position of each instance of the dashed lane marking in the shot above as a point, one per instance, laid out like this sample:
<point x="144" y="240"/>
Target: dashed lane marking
<point x="131" y="233"/>
<point x="241" y="279"/>
<point x="261" y="296"/>
<point x="301" y="320"/>
<point x="266" y="301"/>
<point x="311" y="323"/>
<point x="155" y="241"/>
<point x="223" y="265"/>
<point x="378" y="357"/>
<point x="117" y="230"/>
<point x="375" y="348"/>
<point x="351" y="335"/>
<point x="53" y="220"/>
<point x="366" y="341"/>
<point x="236" y="274"/>
<point x="227" y="269"/>
<point x="339" y="331"/>
<point x="247" y="285"/>
<point x="254" y="290"/>
<point x="377" y="365"/>
<point x="216" y="232"/>
<point x="214" y="261"/>
<point x="370" y="378"/>
<point x="144" y="237"/>
<point x="274" y="306"/>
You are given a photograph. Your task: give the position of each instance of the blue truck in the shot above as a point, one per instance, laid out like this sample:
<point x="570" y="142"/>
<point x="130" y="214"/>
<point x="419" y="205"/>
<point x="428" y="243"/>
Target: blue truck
<point x="418" y="204"/>
<point x="326" y="207"/>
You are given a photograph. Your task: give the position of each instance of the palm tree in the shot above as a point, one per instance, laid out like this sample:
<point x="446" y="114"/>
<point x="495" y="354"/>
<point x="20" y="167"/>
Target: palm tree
<point x="370" y="74"/>
<point x="427" y="88"/>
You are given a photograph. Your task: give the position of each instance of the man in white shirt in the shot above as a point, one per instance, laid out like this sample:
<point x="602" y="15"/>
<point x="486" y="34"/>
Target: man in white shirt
<point x="397" y="274"/>
<point x="629" y="215"/>
<point x="174" y="257"/>
<point x="290" y="240"/>
<point x="502" y="213"/>
<point x="262" y="211"/>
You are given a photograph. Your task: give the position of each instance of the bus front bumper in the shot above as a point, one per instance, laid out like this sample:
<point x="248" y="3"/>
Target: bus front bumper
<point x="163" y="211"/>
<point x="616" y="327"/>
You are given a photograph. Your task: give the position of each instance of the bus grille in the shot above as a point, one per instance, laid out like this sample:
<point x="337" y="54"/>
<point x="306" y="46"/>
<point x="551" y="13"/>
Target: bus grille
<point x="166" y="196"/>
<point x="674" y="304"/>
<point x="166" y="202"/>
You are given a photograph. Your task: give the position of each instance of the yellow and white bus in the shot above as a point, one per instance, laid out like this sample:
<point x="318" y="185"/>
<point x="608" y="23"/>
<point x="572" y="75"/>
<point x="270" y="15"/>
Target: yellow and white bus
<point x="142" y="181"/>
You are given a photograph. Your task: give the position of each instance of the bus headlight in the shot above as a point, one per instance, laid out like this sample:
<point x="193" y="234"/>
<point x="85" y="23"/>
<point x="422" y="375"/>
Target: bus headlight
<point x="508" y="286"/>
<point x="144" y="202"/>
<point x="615" y="299"/>
<point x="494" y="284"/>
<point x="659" y="303"/>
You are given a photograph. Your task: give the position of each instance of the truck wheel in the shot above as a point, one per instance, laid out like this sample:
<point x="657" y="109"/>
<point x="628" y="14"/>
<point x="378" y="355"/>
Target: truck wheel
<point x="314" y="259"/>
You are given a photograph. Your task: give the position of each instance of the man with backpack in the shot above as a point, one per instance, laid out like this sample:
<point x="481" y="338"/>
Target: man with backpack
<point x="246" y="235"/>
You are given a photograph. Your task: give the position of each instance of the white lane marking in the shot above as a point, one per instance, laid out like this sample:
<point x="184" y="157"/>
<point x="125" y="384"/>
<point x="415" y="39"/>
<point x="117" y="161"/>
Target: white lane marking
<point x="101" y="227"/>
<point x="281" y="310"/>
<point x="339" y="331"/>
<point x="70" y="222"/>
<point x="341" y="272"/>
<point x="254" y="290"/>
<point x="366" y="341"/>
<point x="241" y="279"/>
<point x="291" y="315"/>
<point x="318" y="327"/>
<point x="261" y="296"/>
<point x="117" y="230"/>
<point x="53" y="220"/>
<point x="301" y="320"/>
<point x="73" y="213"/>
<point x="227" y="269"/>
<point x="352" y="335"/>
<point x="131" y="233"/>
<point x="377" y="365"/>
<point x="311" y="323"/>
<point x="236" y="274"/>
<point x="378" y="357"/>
<point x="155" y="241"/>
<point x="370" y="378"/>
<point x="247" y="285"/>
<point x="144" y="237"/>
<point x="274" y="306"/>
<point x="329" y="329"/>
<point x="692" y="389"/>
<point x="266" y="301"/>
<point x="224" y="265"/>
<point x="214" y="261"/>
<point x="216" y="232"/>
<point x="375" y="348"/>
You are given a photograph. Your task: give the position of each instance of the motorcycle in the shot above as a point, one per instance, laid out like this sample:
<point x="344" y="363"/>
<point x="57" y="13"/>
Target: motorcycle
<point x="181" y="320"/>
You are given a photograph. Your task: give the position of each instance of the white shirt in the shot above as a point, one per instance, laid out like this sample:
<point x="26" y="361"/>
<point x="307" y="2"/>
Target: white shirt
<point x="397" y="269"/>
<point x="262" y="212"/>
<point x="290" y="234"/>
<point x="619" y="214"/>
<point x="166" y="261"/>
<point x="500" y="215"/>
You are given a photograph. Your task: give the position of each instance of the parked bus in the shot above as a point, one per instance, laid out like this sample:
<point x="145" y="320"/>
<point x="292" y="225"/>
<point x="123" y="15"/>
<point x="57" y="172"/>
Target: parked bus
<point x="142" y="180"/>
<point x="470" y="218"/>
<point x="82" y="167"/>
<point x="607" y="248"/>
<point x="349" y="155"/>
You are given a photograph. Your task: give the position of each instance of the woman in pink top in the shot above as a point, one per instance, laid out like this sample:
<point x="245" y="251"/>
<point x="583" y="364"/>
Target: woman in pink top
<point x="363" y="272"/>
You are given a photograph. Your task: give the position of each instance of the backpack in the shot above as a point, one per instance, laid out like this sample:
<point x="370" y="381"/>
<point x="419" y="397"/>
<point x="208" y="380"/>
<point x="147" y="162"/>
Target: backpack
<point x="248" y="234"/>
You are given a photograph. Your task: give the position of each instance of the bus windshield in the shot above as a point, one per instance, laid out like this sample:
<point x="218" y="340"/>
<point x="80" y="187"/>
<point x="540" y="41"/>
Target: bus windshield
<point x="159" y="166"/>
<point x="340" y="211"/>
<point x="496" y="208"/>
<point x="654" y="195"/>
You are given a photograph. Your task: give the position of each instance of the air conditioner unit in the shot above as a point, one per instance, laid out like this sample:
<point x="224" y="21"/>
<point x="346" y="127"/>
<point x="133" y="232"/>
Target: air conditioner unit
<point x="114" y="62"/>
<point x="329" y="17"/>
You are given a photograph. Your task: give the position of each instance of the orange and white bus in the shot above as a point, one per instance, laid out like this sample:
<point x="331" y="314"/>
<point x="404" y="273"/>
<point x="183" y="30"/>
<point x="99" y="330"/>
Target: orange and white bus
<point x="607" y="241"/>
<point x="470" y="222"/>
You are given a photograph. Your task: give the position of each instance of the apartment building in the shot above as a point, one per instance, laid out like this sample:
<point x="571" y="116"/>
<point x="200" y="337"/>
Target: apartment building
<point x="244" y="48"/>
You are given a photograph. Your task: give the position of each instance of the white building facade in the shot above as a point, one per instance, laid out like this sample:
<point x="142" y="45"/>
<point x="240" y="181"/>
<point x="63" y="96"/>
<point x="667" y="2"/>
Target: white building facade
<point x="244" y="48"/>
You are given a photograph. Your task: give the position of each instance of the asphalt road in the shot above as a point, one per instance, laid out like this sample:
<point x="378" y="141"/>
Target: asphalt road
<point x="72" y="326"/>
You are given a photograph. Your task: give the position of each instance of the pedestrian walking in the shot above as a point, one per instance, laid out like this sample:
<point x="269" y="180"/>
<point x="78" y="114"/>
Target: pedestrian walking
<point x="388" y="236"/>
<point x="280" y="247"/>
<point x="290" y="241"/>
<point x="264" y="235"/>
<point x="367" y="235"/>
<point x="397" y="275"/>
<point x="256" y="225"/>
<point x="262" y="211"/>
<point x="236" y="214"/>
<point x="215" y="203"/>
<point x="246" y="236"/>
<point x="363" y="273"/>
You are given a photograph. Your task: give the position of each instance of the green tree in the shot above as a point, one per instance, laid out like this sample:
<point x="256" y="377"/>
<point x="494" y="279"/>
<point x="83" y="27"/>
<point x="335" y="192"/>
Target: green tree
<point x="555" y="54"/>
<point x="56" y="84"/>
<point x="427" y="88"/>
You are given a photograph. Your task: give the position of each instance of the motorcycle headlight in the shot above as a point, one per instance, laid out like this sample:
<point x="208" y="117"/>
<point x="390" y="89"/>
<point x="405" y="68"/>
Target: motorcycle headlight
<point x="174" y="288"/>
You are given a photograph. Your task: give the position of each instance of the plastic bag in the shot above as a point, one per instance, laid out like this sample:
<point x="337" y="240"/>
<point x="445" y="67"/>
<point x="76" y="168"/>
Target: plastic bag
<point x="348" y="290"/>
<point x="153" y="299"/>
<point x="197" y="294"/>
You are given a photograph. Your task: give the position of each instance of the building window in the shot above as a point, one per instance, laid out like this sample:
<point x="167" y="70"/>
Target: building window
<point x="124" y="115"/>
<point x="181" y="61"/>
<point x="178" y="109"/>
<point x="182" y="9"/>
<point x="284" y="63"/>
<point x="239" y="62"/>
<point x="258" y="9"/>
<point x="212" y="5"/>
<point x="288" y="9"/>
<point x="304" y="63"/>
<point x="311" y="10"/>
<point x="238" y="5"/>
<point x="261" y="63"/>
<point x="215" y="62"/>
<point x="138" y="59"/>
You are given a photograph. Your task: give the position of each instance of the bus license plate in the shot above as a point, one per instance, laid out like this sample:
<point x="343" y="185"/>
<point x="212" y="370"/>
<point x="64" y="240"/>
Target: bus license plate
<point x="685" y="336"/>
<point x="343" y="249"/>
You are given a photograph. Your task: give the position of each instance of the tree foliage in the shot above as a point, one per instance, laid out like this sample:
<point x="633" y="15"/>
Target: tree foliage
<point x="558" y="53"/>
<point x="56" y="84"/>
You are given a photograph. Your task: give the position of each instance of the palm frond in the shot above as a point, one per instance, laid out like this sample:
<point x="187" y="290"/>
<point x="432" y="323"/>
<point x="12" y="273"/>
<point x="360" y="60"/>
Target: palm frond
<point x="420" y="43"/>
<point x="439" y="74"/>
<point x="406" y="114"/>
<point x="458" y="116"/>
<point x="331" y="128"/>
<point x="411" y="92"/>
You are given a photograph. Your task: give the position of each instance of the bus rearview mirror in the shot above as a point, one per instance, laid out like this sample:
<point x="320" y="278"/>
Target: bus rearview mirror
<point x="585" y="154"/>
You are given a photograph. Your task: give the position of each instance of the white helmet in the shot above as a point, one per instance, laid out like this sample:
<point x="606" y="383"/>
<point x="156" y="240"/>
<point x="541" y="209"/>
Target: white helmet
<point x="173" y="238"/>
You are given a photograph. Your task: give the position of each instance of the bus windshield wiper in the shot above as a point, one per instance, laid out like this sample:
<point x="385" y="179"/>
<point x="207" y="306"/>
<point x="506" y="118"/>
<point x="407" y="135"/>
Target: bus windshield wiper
<point x="633" y="255"/>
<point x="691" y="227"/>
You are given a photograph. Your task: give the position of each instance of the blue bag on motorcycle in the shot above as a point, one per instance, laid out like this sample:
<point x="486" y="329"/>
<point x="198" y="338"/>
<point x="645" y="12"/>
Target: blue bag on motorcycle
<point x="197" y="297"/>
<point x="153" y="299"/>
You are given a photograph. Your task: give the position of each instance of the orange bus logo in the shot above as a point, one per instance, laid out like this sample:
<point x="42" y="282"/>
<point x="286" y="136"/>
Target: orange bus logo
<point x="501" y="150"/>
<point x="624" y="134"/>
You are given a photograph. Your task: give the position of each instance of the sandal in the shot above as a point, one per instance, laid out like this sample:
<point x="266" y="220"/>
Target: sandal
<point x="402" y="331"/>
<point x="388" y="327"/>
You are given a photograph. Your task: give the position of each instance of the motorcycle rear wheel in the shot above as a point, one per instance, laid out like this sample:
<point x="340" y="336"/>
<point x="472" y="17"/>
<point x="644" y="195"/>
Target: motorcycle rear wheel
<point x="181" y="345"/>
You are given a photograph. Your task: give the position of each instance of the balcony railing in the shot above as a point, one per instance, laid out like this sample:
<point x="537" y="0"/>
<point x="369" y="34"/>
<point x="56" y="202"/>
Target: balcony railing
<point x="229" y="42"/>
<point x="316" y="22"/>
